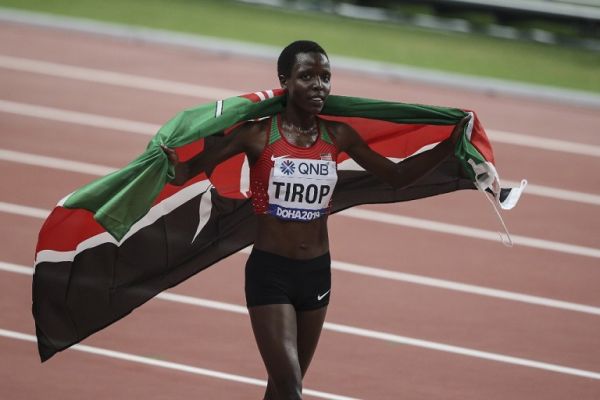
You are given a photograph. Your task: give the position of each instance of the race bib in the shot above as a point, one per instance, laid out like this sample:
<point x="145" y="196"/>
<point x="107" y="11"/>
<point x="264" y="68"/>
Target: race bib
<point x="301" y="189"/>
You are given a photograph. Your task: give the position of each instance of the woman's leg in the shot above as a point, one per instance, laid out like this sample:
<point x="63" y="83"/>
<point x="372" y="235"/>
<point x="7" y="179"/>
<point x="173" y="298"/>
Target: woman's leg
<point x="275" y="330"/>
<point x="310" y="324"/>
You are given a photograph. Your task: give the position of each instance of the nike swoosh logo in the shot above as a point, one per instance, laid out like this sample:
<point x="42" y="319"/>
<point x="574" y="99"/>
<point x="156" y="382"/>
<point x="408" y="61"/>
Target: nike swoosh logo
<point x="320" y="296"/>
<point x="277" y="158"/>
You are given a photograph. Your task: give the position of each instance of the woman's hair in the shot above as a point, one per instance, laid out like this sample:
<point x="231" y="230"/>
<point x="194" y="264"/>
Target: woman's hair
<point x="287" y="58"/>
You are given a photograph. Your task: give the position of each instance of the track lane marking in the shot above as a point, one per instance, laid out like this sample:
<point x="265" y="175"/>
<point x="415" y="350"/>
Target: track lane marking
<point x="101" y="170"/>
<point x="419" y="223"/>
<point x="25" y="211"/>
<point x="466" y="231"/>
<point x="400" y="220"/>
<point x="55" y="163"/>
<point x="464" y="287"/>
<point x="388" y="274"/>
<point x="536" y="142"/>
<point x="119" y="355"/>
<point x="557" y="193"/>
<point x="114" y="78"/>
<point x="381" y="273"/>
<point x="79" y="118"/>
<point x="366" y="333"/>
<point x="206" y="92"/>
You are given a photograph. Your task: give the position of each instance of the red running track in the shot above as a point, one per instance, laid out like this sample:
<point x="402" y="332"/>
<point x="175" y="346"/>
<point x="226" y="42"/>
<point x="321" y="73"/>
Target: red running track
<point x="493" y="335"/>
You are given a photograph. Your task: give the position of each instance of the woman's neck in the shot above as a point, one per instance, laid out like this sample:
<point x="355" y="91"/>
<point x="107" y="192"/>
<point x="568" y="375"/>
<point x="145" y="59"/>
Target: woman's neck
<point x="302" y="122"/>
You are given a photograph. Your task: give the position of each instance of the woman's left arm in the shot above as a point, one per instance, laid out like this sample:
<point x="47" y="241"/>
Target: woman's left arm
<point x="349" y="140"/>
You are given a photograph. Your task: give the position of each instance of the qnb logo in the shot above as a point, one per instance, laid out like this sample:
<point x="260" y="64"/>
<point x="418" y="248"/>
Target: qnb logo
<point x="321" y="169"/>
<point x="287" y="167"/>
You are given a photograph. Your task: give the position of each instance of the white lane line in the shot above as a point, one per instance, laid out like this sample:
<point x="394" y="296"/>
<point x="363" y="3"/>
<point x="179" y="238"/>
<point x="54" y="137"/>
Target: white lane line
<point x="400" y="220"/>
<point x="462" y="351"/>
<point x="381" y="273"/>
<point x="518" y="139"/>
<point x="55" y="163"/>
<point x="447" y="228"/>
<point x="390" y="275"/>
<point x="79" y="118"/>
<point x="463" y="287"/>
<point x="101" y="170"/>
<point x="119" y="355"/>
<point x="16" y="209"/>
<point x="374" y="272"/>
<point x="114" y="78"/>
<point x="130" y="126"/>
<point x="556" y="193"/>
<point x="205" y="92"/>
<point x="15" y="268"/>
<point x="371" y="334"/>
<point x="475" y="233"/>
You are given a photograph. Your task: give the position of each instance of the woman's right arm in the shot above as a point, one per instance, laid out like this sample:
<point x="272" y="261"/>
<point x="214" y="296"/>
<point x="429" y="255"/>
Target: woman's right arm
<point x="243" y="139"/>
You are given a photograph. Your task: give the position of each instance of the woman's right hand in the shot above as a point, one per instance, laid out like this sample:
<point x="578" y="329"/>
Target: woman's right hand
<point x="171" y="154"/>
<point x="180" y="167"/>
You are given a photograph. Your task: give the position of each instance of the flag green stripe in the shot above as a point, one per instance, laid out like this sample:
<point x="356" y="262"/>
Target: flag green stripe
<point x="123" y="197"/>
<point x="404" y="113"/>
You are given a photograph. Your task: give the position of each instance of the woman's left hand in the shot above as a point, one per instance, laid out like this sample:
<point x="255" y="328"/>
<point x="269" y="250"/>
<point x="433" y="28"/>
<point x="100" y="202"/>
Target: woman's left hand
<point x="458" y="129"/>
<point x="181" y="168"/>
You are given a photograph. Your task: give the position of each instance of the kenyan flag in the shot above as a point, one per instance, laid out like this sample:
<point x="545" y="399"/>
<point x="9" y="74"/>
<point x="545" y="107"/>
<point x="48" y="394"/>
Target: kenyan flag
<point x="119" y="241"/>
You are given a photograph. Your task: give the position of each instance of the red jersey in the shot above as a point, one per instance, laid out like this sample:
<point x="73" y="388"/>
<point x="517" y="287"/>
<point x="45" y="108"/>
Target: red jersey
<point x="291" y="182"/>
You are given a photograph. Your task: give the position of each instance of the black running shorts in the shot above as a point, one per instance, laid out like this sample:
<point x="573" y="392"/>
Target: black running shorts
<point x="274" y="279"/>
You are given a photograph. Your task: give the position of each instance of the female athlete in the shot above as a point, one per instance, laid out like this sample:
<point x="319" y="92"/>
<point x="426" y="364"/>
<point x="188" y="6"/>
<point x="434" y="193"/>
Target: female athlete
<point x="292" y="176"/>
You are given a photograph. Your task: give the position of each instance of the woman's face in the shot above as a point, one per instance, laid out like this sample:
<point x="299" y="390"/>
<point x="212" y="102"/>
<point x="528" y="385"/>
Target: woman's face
<point x="309" y="83"/>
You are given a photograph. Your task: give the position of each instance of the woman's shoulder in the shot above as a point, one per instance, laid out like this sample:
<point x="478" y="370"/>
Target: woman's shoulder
<point x="252" y="129"/>
<point x="342" y="133"/>
<point x="251" y="136"/>
<point x="337" y="127"/>
<point x="252" y="125"/>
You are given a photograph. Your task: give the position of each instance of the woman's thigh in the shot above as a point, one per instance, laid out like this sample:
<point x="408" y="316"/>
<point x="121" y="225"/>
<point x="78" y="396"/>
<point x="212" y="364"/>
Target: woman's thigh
<point x="276" y="332"/>
<point x="309" y="326"/>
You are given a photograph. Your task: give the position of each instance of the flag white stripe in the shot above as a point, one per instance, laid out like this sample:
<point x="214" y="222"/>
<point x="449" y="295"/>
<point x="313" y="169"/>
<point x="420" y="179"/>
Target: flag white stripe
<point x="163" y="208"/>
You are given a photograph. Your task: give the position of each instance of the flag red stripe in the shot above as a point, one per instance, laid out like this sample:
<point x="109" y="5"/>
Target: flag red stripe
<point x="65" y="228"/>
